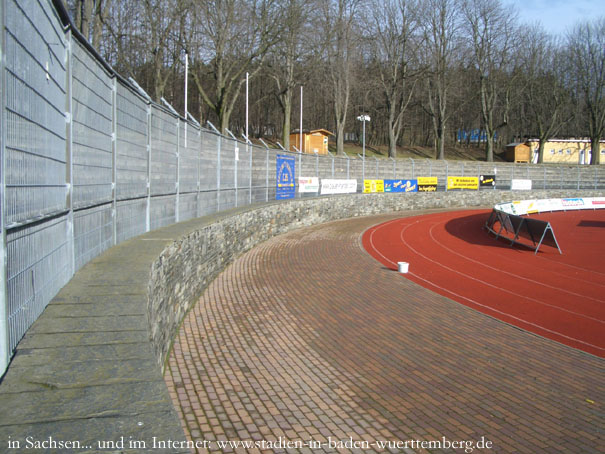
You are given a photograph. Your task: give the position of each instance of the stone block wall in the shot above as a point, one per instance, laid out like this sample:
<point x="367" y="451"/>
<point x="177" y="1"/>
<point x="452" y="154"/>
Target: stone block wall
<point x="188" y="264"/>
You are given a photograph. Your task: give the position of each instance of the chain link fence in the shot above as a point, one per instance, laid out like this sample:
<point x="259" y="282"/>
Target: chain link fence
<point x="88" y="161"/>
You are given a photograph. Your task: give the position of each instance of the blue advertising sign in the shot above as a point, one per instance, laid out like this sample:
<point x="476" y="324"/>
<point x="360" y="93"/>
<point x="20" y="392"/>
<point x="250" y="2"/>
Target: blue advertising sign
<point x="400" y="185"/>
<point x="285" y="171"/>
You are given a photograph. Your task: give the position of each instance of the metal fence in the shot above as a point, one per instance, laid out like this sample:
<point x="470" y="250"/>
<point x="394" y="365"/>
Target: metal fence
<point x="88" y="161"/>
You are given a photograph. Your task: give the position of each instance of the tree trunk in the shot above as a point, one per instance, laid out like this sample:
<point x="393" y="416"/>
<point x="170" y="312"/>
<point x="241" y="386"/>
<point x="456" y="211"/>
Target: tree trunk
<point x="287" y="101"/>
<point x="541" y="152"/>
<point x="392" y="142"/>
<point x="595" y="145"/>
<point x="489" y="147"/>
<point x="340" y="132"/>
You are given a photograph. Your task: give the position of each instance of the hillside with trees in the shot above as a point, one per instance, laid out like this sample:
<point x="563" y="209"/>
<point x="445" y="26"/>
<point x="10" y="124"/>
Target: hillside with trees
<point x="421" y="69"/>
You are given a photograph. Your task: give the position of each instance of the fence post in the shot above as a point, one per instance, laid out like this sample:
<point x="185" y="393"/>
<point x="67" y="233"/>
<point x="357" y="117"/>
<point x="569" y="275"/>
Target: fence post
<point x="266" y="170"/>
<point x="299" y="168"/>
<point x="178" y="171"/>
<point x="348" y="166"/>
<point x="218" y="166"/>
<point x="198" y="208"/>
<point x="235" y="161"/>
<point x="69" y="153"/>
<point x="148" y="208"/>
<point x="250" y="150"/>
<point x="114" y="159"/>
<point x="4" y="335"/>
<point x="363" y="170"/>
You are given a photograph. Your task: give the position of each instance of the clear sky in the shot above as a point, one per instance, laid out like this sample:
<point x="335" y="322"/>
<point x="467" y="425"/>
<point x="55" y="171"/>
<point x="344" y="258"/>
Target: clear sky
<point x="557" y="16"/>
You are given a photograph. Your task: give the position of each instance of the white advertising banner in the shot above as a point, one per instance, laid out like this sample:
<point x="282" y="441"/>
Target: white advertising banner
<point x="308" y="184"/>
<point x="338" y="186"/>
<point x="520" y="185"/>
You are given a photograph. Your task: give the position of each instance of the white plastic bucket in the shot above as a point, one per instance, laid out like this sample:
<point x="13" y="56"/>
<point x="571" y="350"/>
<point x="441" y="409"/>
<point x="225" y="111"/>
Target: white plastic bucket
<point x="403" y="267"/>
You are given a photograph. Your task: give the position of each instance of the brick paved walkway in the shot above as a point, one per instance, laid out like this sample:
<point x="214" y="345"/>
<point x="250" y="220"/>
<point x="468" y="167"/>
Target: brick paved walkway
<point x="307" y="338"/>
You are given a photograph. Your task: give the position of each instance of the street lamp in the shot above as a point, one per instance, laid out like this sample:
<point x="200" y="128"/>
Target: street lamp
<point x="363" y="118"/>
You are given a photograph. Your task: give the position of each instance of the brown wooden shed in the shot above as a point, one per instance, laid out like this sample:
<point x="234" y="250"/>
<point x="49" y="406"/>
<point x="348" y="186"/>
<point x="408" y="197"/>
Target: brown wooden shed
<point x="517" y="152"/>
<point x="314" y="141"/>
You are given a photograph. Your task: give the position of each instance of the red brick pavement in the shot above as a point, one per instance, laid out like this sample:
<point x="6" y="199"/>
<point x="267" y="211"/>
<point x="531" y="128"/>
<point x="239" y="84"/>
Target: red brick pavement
<point x="307" y="338"/>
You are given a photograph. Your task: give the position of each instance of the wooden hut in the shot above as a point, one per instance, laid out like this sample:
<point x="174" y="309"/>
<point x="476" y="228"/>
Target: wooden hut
<point x="517" y="152"/>
<point x="315" y="141"/>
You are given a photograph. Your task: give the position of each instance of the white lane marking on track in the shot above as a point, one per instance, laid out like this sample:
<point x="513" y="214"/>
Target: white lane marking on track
<point x="518" y="276"/>
<point x="591" y="282"/>
<point x="445" y="290"/>
<point x="509" y="315"/>
<point x="488" y="284"/>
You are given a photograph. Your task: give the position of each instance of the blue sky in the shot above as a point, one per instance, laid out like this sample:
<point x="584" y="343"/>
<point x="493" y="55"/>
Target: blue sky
<point x="557" y="16"/>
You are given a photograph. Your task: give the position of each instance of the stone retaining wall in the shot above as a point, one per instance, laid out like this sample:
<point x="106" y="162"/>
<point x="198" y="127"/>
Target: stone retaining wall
<point x="186" y="266"/>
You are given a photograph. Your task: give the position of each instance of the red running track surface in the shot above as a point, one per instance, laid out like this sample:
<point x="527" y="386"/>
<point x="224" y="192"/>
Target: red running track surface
<point x="560" y="297"/>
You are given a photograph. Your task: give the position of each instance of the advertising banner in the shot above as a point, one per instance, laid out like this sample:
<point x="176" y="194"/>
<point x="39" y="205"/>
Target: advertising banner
<point x="373" y="186"/>
<point x="427" y="184"/>
<point x="338" y="186"/>
<point x="462" y="182"/>
<point x="520" y="185"/>
<point x="285" y="170"/>
<point x="487" y="181"/>
<point x="400" y="185"/>
<point x="573" y="204"/>
<point x="308" y="184"/>
<point x="596" y="202"/>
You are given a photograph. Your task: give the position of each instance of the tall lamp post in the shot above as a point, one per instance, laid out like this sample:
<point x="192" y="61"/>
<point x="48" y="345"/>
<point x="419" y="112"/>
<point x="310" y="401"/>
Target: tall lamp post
<point x="363" y="118"/>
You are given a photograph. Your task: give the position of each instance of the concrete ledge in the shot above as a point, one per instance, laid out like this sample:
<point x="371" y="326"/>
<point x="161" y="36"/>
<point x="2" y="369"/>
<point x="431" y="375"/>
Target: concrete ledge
<point x="89" y="370"/>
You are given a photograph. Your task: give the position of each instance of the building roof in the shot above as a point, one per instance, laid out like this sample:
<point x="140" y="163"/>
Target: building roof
<point x="582" y="140"/>
<point x="324" y="132"/>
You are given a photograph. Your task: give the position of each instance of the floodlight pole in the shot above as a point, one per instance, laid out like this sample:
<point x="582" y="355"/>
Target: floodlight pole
<point x="186" y="81"/>
<point x="247" y="107"/>
<point x="300" y="139"/>
<point x="186" y="88"/>
<point x="363" y="118"/>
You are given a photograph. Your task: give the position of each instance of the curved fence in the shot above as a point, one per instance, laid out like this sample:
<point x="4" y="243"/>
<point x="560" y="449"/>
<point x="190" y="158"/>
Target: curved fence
<point x="89" y="161"/>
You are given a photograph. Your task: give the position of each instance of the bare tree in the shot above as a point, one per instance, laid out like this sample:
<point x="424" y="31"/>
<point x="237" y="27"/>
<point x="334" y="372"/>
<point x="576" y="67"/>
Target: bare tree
<point x="441" y="47"/>
<point x="394" y="46"/>
<point x="143" y="40"/>
<point x="90" y="17"/>
<point x="286" y="58"/>
<point x="547" y="99"/>
<point x="491" y="34"/>
<point x="586" y="56"/>
<point x="232" y="37"/>
<point x="339" y="32"/>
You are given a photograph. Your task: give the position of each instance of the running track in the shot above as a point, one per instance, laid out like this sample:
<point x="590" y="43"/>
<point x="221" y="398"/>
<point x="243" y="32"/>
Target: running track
<point x="306" y="336"/>
<point x="560" y="297"/>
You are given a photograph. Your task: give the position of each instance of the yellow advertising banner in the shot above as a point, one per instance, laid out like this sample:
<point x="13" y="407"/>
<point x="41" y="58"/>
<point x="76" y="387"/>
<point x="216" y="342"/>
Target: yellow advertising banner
<point x="427" y="181"/>
<point x="427" y="184"/>
<point x="373" y="185"/>
<point x="463" y="182"/>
